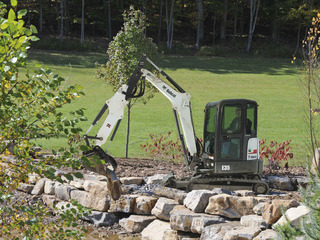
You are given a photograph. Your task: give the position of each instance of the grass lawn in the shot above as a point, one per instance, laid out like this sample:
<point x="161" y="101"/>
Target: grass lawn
<point x="272" y="83"/>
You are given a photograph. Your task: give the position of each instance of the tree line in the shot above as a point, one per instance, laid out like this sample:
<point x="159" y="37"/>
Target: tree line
<point x="198" y="23"/>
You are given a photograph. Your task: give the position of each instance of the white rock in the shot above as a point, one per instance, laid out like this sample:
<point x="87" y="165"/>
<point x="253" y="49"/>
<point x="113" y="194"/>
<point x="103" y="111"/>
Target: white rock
<point x="136" y="223"/>
<point x="197" y="200"/>
<point x="49" y="187"/>
<point x="294" y="215"/>
<point x="155" y="230"/>
<point x="144" y="205"/>
<point x="155" y="178"/>
<point x="163" y="207"/>
<point x="39" y="187"/>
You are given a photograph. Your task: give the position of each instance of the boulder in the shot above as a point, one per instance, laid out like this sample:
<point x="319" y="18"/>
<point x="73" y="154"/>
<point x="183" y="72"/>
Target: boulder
<point x="33" y="178"/>
<point x="77" y="183"/>
<point x="232" y="207"/>
<point x="101" y="219"/>
<point x="200" y="222"/>
<point x="253" y="221"/>
<point x="124" y="204"/>
<point x="197" y="200"/>
<point x="155" y="179"/>
<point x="272" y="211"/>
<point x="155" y="230"/>
<point x="24" y="187"/>
<point x="136" y="223"/>
<point x="62" y="191"/>
<point x="49" y="200"/>
<point x="182" y="219"/>
<point x="49" y="187"/>
<point x="131" y="180"/>
<point x="293" y="215"/>
<point x="282" y="183"/>
<point x="144" y="205"/>
<point x="39" y="187"/>
<point x="243" y="233"/>
<point x="95" y="177"/>
<point x="259" y="208"/>
<point x="268" y="234"/>
<point x="217" y="231"/>
<point x="163" y="207"/>
<point x="96" y="188"/>
<point x="175" y="194"/>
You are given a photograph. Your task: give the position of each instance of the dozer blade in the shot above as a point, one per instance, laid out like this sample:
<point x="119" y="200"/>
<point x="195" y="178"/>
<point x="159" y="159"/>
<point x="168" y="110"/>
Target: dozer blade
<point x="108" y="170"/>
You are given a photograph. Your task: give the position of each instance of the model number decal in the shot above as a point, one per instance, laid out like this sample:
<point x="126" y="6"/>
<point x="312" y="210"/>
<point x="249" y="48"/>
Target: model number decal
<point x="226" y="168"/>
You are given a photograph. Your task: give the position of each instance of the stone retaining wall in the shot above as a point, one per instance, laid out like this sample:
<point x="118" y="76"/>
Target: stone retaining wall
<point x="163" y="213"/>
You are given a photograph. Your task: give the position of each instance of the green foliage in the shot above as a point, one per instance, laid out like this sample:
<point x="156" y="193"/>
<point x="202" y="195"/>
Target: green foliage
<point x="126" y="49"/>
<point x="31" y="107"/>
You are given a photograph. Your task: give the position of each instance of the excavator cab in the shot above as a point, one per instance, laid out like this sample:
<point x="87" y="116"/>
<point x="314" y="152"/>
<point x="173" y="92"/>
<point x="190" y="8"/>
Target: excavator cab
<point x="230" y="138"/>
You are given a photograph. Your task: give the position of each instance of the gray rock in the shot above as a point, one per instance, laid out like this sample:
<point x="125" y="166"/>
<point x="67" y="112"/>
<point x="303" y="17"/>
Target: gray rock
<point x="217" y="231"/>
<point x="175" y="194"/>
<point x="49" y="187"/>
<point x="243" y="233"/>
<point x="155" y="178"/>
<point x="131" y="180"/>
<point x="62" y="191"/>
<point x="24" y="187"/>
<point x="197" y="200"/>
<point x="136" y="223"/>
<point x="182" y="219"/>
<point x="280" y="182"/>
<point x="49" y="200"/>
<point x="243" y="193"/>
<point x="200" y="222"/>
<point x="218" y="191"/>
<point x="39" y="187"/>
<point x="101" y="219"/>
<point x="163" y="207"/>
<point x="259" y="208"/>
<point x="253" y="221"/>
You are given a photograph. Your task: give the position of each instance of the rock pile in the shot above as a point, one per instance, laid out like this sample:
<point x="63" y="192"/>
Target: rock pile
<point x="163" y="213"/>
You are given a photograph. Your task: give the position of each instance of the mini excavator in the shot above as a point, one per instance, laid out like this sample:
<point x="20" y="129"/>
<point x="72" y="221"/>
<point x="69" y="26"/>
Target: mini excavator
<point x="228" y="156"/>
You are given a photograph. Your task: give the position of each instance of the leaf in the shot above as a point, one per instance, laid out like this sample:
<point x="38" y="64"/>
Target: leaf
<point x="22" y="13"/>
<point x="13" y="3"/>
<point x="11" y="15"/>
<point x="78" y="175"/>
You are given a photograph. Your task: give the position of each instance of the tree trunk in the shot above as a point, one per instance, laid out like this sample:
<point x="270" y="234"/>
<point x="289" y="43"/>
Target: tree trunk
<point x="200" y="24"/>
<point x="61" y="20"/>
<point x="235" y="23"/>
<point x="275" y="23"/>
<point x="160" y="22"/>
<point x="109" y="20"/>
<point x="128" y="130"/>
<point x="254" y="8"/>
<point x="170" y="24"/>
<point x="82" y="23"/>
<point x="224" y="20"/>
<point x="58" y="16"/>
<point x="214" y="29"/>
<point x="40" y="18"/>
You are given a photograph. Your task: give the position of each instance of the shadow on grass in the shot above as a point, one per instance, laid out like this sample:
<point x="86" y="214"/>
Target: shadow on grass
<point x="217" y="65"/>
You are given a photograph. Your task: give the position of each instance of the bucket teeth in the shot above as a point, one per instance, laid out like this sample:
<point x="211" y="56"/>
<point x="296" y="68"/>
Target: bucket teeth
<point x="108" y="170"/>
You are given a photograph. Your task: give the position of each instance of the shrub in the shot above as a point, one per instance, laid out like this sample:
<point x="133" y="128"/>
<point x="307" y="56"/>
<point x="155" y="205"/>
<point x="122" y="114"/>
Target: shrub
<point x="163" y="148"/>
<point x="275" y="153"/>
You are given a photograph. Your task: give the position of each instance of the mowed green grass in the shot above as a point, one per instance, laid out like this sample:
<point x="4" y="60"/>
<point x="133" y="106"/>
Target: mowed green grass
<point x="273" y="83"/>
